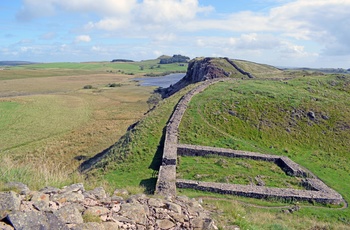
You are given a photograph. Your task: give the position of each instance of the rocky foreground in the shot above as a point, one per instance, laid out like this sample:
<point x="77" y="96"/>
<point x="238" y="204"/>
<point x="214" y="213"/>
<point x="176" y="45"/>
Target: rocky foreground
<point x="74" y="208"/>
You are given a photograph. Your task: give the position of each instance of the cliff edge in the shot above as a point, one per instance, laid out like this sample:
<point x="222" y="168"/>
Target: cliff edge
<point x="203" y="69"/>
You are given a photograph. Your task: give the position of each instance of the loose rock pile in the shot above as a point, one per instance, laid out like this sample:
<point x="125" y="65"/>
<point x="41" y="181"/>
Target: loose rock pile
<point x="74" y="208"/>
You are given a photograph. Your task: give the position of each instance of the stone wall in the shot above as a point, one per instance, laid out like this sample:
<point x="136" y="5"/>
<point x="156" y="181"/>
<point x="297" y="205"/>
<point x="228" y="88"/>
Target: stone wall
<point x="167" y="172"/>
<point x="286" y="164"/>
<point x="262" y="192"/>
<point x="239" y="69"/>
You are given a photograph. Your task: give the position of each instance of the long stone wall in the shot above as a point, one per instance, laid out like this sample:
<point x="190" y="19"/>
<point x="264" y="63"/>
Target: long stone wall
<point x="315" y="189"/>
<point x="167" y="172"/>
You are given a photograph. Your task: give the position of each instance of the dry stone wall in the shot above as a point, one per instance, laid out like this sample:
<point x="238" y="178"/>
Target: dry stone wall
<point x="167" y="182"/>
<point x="262" y="191"/>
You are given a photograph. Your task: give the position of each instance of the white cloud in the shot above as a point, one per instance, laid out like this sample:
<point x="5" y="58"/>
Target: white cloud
<point x="169" y="11"/>
<point x="109" y="24"/>
<point x="286" y="30"/>
<point x="83" y="38"/>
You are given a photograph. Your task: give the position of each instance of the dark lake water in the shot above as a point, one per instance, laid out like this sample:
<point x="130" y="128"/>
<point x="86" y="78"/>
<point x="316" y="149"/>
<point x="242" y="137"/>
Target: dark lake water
<point x="164" y="81"/>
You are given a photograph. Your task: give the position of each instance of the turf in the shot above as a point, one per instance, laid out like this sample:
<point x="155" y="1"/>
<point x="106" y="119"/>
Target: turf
<point x="235" y="171"/>
<point x="275" y="117"/>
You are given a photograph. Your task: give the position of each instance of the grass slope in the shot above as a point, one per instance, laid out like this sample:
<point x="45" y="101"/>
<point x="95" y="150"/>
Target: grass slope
<point x="306" y="119"/>
<point x="135" y="159"/>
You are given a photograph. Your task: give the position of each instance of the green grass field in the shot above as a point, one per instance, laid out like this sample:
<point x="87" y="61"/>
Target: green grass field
<point x="88" y="68"/>
<point x="235" y="171"/>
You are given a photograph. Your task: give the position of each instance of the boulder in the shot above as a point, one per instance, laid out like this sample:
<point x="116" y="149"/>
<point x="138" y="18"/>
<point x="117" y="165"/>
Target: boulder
<point x="21" y="188"/>
<point x="9" y="201"/>
<point x="35" y="220"/>
<point x="69" y="214"/>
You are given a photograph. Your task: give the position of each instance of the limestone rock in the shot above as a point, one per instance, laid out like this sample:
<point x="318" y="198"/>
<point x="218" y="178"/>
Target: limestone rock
<point x="68" y="197"/>
<point x="35" y="220"/>
<point x="41" y="201"/>
<point x="174" y="207"/>
<point x="69" y="214"/>
<point x="97" y="193"/>
<point x="73" y="188"/>
<point x="18" y="186"/>
<point x="158" y="203"/>
<point x="134" y="212"/>
<point x="96" y="211"/>
<point x="165" y="224"/>
<point x="9" y="201"/>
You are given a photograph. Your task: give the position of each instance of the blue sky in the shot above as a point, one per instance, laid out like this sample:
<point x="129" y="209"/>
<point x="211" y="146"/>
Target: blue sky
<point x="304" y="33"/>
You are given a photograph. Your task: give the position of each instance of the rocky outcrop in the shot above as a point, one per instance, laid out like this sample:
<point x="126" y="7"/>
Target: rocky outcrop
<point x="73" y="207"/>
<point x="202" y="69"/>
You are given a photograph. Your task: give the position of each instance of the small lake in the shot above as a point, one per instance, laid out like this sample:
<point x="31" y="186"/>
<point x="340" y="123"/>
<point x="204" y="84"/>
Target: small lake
<point x="164" y="81"/>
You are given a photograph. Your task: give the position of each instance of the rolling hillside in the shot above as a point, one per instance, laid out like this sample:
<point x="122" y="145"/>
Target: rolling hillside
<point x="304" y="117"/>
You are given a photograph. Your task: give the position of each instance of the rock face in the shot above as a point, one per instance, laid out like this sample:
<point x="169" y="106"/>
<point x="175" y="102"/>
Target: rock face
<point x="202" y="70"/>
<point x="74" y="208"/>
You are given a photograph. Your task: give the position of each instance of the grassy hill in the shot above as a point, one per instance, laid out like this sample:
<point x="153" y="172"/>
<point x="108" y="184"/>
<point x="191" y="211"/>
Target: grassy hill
<point x="302" y="115"/>
<point x="305" y="118"/>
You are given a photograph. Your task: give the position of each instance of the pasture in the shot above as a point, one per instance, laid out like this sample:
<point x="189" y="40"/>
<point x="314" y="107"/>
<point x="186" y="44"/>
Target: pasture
<point x="49" y="123"/>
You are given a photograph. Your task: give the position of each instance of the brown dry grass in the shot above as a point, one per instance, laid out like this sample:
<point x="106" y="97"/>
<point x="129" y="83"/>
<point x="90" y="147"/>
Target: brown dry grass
<point x="85" y="123"/>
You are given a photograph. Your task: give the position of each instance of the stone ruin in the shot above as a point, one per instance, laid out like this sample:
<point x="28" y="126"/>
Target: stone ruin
<point x="315" y="189"/>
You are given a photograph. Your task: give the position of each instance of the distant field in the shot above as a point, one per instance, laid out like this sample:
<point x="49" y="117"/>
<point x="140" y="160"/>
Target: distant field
<point x="88" y="68"/>
<point x="49" y="122"/>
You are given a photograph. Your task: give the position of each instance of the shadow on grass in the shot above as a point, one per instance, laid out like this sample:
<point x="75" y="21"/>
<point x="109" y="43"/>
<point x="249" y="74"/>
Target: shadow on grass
<point x="150" y="184"/>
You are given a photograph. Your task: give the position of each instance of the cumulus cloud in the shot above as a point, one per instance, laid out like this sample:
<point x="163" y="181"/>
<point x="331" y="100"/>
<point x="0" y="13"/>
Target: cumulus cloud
<point x="283" y="29"/>
<point x="255" y="41"/>
<point x="165" y="11"/>
<point x="109" y="24"/>
<point x="83" y="38"/>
